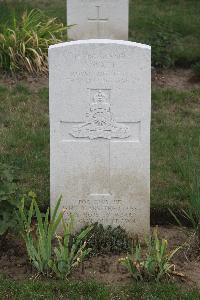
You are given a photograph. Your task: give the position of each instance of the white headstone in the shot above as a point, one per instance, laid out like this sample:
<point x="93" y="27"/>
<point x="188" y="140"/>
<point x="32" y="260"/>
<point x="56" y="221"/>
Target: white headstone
<point x="97" y="19"/>
<point x="100" y="109"/>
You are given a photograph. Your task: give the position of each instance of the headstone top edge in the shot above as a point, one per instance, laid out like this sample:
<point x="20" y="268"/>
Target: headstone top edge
<point x="100" y="41"/>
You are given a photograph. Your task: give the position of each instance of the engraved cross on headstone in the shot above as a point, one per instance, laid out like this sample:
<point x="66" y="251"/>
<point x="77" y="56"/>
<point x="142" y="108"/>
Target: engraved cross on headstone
<point x="101" y="130"/>
<point x="98" y="20"/>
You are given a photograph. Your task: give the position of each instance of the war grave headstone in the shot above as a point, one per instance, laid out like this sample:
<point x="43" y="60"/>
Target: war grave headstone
<point x="98" y="19"/>
<point x="100" y="111"/>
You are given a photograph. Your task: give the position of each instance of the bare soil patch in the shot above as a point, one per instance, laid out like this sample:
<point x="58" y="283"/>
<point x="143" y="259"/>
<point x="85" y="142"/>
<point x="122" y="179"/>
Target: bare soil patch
<point x="105" y="268"/>
<point x="108" y="270"/>
<point x="180" y="79"/>
<point x="31" y="82"/>
<point x="13" y="259"/>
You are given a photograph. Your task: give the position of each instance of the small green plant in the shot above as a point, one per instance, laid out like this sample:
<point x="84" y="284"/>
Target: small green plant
<point x="70" y="252"/>
<point x="8" y="203"/>
<point x="39" y="239"/>
<point x="162" y="40"/>
<point x="154" y="263"/>
<point x="105" y="240"/>
<point x="24" y="44"/>
<point x="196" y="68"/>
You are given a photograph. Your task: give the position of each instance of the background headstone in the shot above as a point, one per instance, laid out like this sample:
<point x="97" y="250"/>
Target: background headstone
<point x="98" y="19"/>
<point x="100" y="107"/>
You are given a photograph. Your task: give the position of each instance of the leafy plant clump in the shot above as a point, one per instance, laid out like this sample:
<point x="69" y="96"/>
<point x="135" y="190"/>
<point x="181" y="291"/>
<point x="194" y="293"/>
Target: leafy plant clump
<point x="162" y="40"/>
<point x="161" y="50"/>
<point x="8" y="203"/>
<point x="24" y="44"/>
<point x="69" y="252"/>
<point x="105" y="240"/>
<point x="154" y="263"/>
<point x="47" y="256"/>
<point x="196" y="68"/>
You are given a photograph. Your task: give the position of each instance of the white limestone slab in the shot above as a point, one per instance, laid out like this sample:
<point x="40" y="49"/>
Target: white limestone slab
<point x="98" y="19"/>
<point x="100" y="110"/>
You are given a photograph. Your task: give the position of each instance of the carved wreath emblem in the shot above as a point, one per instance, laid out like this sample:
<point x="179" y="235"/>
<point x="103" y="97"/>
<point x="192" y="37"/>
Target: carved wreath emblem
<point x="100" y="122"/>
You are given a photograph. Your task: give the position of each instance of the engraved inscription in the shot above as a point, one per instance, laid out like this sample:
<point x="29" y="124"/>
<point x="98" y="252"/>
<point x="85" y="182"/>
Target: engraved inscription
<point x="106" y="210"/>
<point x="99" y="120"/>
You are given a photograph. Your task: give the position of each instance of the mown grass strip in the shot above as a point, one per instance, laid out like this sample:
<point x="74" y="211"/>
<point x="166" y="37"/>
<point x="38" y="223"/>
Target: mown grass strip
<point x="89" y="290"/>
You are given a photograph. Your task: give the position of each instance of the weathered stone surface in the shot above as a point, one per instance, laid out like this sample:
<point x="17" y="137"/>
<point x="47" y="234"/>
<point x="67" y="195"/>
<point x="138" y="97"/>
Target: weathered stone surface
<point x="100" y="107"/>
<point x="98" y="19"/>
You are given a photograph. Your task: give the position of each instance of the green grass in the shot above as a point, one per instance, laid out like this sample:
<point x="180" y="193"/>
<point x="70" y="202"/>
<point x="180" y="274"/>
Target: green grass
<point x="53" y="8"/>
<point x="36" y="290"/>
<point x="178" y="21"/>
<point x="24" y="136"/>
<point x="175" y="128"/>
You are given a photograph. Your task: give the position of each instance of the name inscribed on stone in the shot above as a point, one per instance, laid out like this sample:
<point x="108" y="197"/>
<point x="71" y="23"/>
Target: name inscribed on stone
<point x="100" y="113"/>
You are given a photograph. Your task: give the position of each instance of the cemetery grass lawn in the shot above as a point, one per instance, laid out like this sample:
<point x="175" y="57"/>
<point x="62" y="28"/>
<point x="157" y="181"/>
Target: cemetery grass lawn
<point x="177" y="20"/>
<point x="24" y="136"/>
<point x="36" y="290"/>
